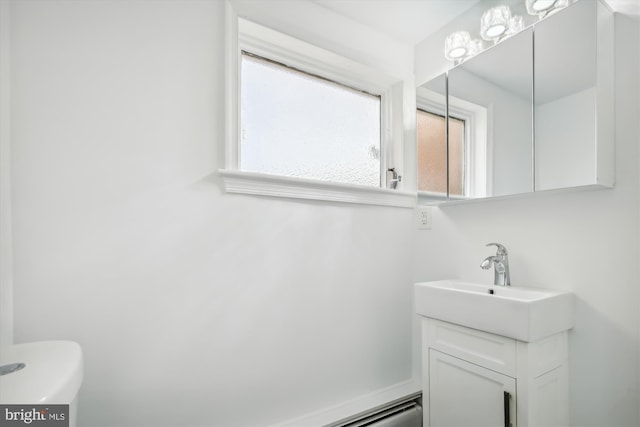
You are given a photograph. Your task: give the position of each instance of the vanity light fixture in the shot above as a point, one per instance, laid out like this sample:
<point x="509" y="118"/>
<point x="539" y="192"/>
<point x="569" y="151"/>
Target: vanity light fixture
<point x="535" y="7"/>
<point x="495" y="23"/>
<point x="543" y="8"/>
<point x="516" y="24"/>
<point x="475" y="47"/>
<point x="459" y="46"/>
<point x="456" y="46"/>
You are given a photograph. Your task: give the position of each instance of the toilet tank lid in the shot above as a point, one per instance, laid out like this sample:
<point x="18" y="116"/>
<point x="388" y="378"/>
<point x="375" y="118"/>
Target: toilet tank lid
<point x="52" y="374"/>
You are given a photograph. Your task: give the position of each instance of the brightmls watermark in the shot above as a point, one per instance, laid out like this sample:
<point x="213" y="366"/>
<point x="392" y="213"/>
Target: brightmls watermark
<point x="35" y="415"/>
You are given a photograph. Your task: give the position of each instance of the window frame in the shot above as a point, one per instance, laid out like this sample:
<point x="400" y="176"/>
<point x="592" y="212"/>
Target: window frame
<point x="245" y="35"/>
<point x="478" y="176"/>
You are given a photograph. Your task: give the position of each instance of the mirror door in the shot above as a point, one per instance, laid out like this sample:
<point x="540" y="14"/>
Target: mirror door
<point x="493" y="94"/>
<point x="569" y="96"/>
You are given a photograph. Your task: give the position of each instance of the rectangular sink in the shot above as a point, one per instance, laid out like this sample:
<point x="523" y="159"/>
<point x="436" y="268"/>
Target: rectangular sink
<point x="525" y="314"/>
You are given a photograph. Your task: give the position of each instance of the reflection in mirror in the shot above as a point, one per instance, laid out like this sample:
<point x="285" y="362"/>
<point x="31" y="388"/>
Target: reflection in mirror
<point x="489" y="147"/>
<point x="492" y="94"/>
<point x="565" y="97"/>
<point x="431" y="140"/>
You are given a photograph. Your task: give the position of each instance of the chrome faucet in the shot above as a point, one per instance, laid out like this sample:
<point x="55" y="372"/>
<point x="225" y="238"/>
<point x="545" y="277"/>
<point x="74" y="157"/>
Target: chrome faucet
<point x="500" y="262"/>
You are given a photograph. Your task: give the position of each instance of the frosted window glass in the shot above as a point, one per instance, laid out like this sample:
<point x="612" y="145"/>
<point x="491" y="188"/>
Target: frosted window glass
<point x="456" y="156"/>
<point x="432" y="154"/>
<point x="299" y="125"/>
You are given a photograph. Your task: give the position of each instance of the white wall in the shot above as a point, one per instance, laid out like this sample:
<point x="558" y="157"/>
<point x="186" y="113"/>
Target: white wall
<point x="583" y="242"/>
<point x="193" y="307"/>
<point x="322" y="27"/>
<point x="6" y="251"/>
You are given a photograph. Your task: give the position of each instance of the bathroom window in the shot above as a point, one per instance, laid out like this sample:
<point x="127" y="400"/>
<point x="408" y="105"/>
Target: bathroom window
<point x="469" y="148"/>
<point x="305" y="122"/>
<point x="297" y="124"/>
<point x="432" y="154"/>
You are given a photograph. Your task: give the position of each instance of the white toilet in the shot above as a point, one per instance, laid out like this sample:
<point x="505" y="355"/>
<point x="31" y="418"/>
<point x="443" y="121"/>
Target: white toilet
<point x="40" y="373"/>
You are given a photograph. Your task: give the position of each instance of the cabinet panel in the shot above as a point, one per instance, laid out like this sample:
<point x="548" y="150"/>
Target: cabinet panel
<point x="574" y="98"/>
<point x="462" y="394"/>
<point x="546" y="354"/>
<point x="489" y="350"/>
<point x="550" y="399"/>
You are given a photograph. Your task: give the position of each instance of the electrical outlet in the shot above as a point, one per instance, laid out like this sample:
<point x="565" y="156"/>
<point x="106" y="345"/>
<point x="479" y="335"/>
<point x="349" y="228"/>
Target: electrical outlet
<point x="423" y="217"/>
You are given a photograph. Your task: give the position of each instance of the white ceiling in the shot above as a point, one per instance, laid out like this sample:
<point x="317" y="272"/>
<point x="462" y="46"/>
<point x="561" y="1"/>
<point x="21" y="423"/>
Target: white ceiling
<point x="411" y="21"/>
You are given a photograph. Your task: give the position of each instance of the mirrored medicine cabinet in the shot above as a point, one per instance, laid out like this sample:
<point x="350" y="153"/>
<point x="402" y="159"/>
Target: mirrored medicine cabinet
<point x="531" y="113"/>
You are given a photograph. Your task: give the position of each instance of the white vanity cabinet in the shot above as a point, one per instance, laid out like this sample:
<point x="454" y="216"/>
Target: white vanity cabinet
<point x="473" y="378"/>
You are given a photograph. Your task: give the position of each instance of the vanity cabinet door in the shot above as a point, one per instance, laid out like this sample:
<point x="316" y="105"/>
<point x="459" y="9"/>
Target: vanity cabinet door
<point x="462" y="394"/>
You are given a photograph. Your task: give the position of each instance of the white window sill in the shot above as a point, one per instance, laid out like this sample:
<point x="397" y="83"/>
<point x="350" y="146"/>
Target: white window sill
<point x="298" y="188"/>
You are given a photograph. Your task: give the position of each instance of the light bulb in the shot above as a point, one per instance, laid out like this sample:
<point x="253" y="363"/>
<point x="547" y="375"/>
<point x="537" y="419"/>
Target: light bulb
<point x="541" y="5"/>
<point x="543" y="8"/>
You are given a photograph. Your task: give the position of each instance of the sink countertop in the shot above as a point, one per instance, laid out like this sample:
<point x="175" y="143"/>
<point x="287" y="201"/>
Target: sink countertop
<point x="524" y="313"/>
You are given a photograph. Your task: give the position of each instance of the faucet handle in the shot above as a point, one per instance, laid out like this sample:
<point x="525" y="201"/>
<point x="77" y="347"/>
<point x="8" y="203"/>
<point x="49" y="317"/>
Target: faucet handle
<point x="501" y="249"/>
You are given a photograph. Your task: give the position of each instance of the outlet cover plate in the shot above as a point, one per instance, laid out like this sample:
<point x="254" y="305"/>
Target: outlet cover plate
<point x="423" y="217"/>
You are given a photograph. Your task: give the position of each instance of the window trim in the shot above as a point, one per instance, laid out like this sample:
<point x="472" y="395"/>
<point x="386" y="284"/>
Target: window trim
<point x="261" y="184"/>
<point x="245" y="35"/>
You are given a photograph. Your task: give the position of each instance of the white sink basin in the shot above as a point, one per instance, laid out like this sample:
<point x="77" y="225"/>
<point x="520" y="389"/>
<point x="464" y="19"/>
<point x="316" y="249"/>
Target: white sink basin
<point x="526" y="314"/>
